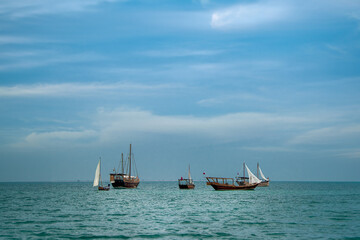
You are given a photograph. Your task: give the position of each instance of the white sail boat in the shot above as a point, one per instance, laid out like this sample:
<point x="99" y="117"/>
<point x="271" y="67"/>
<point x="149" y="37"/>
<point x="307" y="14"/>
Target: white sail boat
<point x="98" y="180"/>
<point x="265" y="181"/>
<point x="252" y="178"/>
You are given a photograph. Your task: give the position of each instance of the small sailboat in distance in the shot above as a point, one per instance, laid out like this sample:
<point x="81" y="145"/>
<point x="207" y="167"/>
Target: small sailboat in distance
<point x="186" y="183"/>
<point x="265" y="181"/>
<point x="97" y="179"/>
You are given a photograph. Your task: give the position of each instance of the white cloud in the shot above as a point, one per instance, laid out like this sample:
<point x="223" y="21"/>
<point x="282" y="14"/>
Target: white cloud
<point x="265" y="132"/>
<point x="45" y="58"/>
<point x="35" y="138"/>
<point x="179" y="53"/>
<point x="247" y="16"/>
<point x="328" y="135"/>
<point x="8" y="39"/>
<point x="108" y="126"/>
<point x="74" y="89"/>
<point x="223" y="128"/>
<point x="27" y="8"/>
<point x="266" y="13"/>
<point x="351" y="153"/>
<point x="233" y="98"/>
<point x="270" y="149"/>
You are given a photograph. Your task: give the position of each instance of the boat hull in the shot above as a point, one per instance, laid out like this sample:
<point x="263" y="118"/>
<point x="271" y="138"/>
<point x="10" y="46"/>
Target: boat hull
<point x="100" y="188"/>
<point x="122" y="181"/>
<point x="125" y="184"/>
<point x="188" y="186"/>
<point x="222" y="187"/>
<point x="263" y="184"/>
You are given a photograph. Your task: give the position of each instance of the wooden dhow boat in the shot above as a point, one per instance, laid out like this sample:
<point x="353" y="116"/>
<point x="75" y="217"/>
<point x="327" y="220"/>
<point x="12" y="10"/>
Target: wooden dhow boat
<point x="186" y="183"/>
<point x="264" y="181"/>
<point x="97" y="179"/>
<point x="123" y="179"/>
<point x="240" y="183"/>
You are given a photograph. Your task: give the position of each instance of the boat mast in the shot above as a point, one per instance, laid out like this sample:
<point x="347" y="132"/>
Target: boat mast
<point x="189" y="176"/>
<point x="244" y="170"/>
<point x="100" y="171"/>
<point x="122" y="163"/>
<point x="130" y="163"/>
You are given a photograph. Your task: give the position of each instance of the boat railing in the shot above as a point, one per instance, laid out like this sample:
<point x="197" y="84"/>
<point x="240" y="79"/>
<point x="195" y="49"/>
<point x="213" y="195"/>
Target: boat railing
<point x="220" y="180"/>
<point x="184" y="181"/>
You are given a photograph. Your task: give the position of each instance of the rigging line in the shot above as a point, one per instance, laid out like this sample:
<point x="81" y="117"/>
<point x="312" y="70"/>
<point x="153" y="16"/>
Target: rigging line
<point x="137" y="174"/>
<point x="118" y="166"/>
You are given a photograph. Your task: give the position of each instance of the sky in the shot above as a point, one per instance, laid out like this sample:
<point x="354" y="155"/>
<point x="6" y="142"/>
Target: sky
<point x="208" y="83"/>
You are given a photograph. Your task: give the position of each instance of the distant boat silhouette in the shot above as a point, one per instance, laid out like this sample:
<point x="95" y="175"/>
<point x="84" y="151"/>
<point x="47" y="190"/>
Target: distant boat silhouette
<point x="186" y="183"/>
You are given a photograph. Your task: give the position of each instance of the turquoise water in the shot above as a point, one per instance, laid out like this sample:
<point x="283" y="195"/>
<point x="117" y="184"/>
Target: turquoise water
<point x="285" y="210"/>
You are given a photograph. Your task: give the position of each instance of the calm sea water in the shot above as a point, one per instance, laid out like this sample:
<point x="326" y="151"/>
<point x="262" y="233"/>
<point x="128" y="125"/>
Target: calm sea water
<point x="285" y="210"/>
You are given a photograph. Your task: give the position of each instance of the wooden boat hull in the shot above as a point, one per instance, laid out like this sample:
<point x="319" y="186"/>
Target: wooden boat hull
<point x="103" y="188"/>
<point x="220" y="186"/>
<point x="188" y="186"/>
<point x="264" y="184"/>
<point x="125" y="184"/>
<point x="121" y="181"/>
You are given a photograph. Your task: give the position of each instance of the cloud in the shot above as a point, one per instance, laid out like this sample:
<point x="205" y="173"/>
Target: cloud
<point x="270" y="149"/>
<point x="328" y="135"/>
<point x="231" y="98"/>
<point x="350" y="153"/>
<point x="74" y="89"/>
<point x="261" y="132"/>
<point x="28" y="8"/>
<point x="44" y="58"/>
<point x="247" y="16"/>
<point x="264" y="13"/>
<point x="34" y="138"/>
<point x="228" y="127"/>
<point x="8" y="39"/>
<point x="108" y="126"/>
<point x="178" y="53"/>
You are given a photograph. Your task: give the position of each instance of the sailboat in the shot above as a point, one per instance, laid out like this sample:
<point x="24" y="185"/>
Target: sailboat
<point x="123" y="179"/>
<point x="265" y="181"/>
<point x="97" y="179"/>
<point x="240" y="183"/>
<point x="186" y="183"/>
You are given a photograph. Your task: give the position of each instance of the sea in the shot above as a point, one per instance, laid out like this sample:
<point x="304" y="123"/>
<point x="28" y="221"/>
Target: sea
<point x="160" y="210"/>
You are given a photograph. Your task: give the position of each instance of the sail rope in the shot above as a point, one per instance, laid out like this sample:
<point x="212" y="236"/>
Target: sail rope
<point x="133" y="157"/>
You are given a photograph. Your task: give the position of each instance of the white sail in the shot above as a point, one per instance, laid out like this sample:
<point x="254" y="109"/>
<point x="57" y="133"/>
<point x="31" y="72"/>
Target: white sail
<point x="97" y="175"/>
<point x="190" y="180"/>
<point x="252" y="177"/>
<point x="262" y="175"/>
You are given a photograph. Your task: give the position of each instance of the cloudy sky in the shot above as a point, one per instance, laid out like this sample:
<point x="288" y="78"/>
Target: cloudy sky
<point x="207" y="83"/>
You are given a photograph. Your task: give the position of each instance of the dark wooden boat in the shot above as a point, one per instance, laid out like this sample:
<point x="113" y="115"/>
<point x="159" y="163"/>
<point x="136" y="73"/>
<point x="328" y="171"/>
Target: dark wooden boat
<point x="265" y="181"/>
<point x="219" y="183"/>
<point x="97" y="179"/>
<point x="125" y="180"/>
<point x="240" y="183"/>
<point x="186" y="183"/>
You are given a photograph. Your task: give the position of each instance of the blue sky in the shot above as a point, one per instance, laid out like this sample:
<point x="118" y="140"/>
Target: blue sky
<point x="210" y="83"/>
